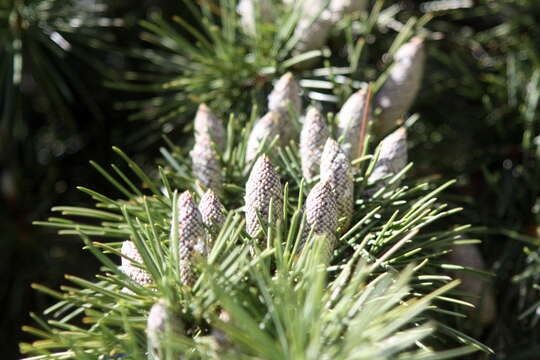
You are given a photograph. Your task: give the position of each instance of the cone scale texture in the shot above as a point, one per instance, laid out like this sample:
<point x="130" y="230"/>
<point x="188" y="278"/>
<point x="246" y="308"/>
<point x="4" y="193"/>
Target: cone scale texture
<point x="137" y="274"/>
<point x="322" y="214"/>
<point x="284" y="98"/>
<point x="262" y="188"/>
<point x="350" y="122"/>
<point x="208" y="125"/>
<point x="392" y="157"/>
<point x="205" y="164"/>
<point x="191" y="236"/>
<point x="398" y="92"/>
<point x="312" y="139"/>
<point x="212" y="213"/>
<point x="266" y="128"/>
<point x="336" y="169"/>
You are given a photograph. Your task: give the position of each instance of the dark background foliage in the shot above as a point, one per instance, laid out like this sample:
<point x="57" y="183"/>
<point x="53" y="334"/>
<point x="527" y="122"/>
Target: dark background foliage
<point x="476" y="126"/>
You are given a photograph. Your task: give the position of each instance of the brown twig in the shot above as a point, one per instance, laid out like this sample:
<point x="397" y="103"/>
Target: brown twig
<point x="365" y="118"/>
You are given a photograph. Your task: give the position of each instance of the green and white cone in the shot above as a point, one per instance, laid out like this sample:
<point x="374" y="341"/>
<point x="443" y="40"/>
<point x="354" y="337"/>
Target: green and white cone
<point x="213" y="213"/>
<point x="265" y="130"/>
<point x="392" y="158"/>
<point x="284" y="100"/>
<point x="336" y="169"/>
<point x="262" y="188"/>
<point x="191" y="236"/>
<point x="312" y="139"/>
<point x="162" y="325"/>
<point x="207" y="124"/>
<point x="205" y="164"/>
<point x="138" y="275"/>
<point x="398" y="92"/>
<point x="350" y="121"/>
<point x="322" y="214"/>
<point x="318" y="19"/>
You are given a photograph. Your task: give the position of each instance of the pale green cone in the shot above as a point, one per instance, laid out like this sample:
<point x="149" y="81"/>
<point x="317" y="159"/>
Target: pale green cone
<point x="208" y="125"/>
<point x="284" y="99"/>
<point x="322" y="214"/>
<point x="336" y="168"/>
<point x="205" y="164"/>
<point x="312" y="139"/>
<point x="392" y="158"/>
<point x="138" y="275"/>
<point x="213" y="213"/>
<point x="318" y="19"/>
<point x="262" y="188"/>
<point x="398" y="92"/>
<point x="265" y="129"/>
<point x="191" y="236"/>
<point x="350" y="121"/>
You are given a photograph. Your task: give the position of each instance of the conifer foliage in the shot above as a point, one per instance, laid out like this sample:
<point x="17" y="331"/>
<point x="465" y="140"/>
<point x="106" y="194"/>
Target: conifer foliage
<point x="286" y="236"/>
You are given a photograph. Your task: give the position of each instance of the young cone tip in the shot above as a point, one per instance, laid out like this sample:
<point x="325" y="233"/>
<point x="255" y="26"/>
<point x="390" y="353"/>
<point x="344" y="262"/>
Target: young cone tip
<point x="321" y="208"/>
<point x="410" y="49"/>
<point x="207" y="125"/>
<point x="394" y="150"/>
<point x="262" y="189"/>
<point x="350" y="120"/>
<point x="312" y="139"/>
<point x="206" y="166"/>
<point x="336" y="167"/>
<point x="286" y="93"/>
<point x="265" y="129"/>
<point x="212" y="212"/>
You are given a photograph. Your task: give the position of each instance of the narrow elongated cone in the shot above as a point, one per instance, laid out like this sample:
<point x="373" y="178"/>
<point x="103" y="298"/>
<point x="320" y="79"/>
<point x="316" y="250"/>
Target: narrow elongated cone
<point x="262" y="188"/>
<point x="137" y="274"/>
<point x="313" y="28"/>
<point x="350" y="121"/>
<point x="191" y="235"/>
<point x="286" y="92"/>
<point x="213" y="213"/>
<point x="336" y="169"/>
<point x="265" y="129"/>
<point x="205" y="164"/>
<point x="392" y="158"/>
<point x="481" y="289"/>
<point x="161" y="326"/>
<point x="398" y="92"/>
<point x="250" y="10"/>
<point x="319" y="16"/>
<point x="284" y="97"/>
<point x="321" y="214"/>
<point x="207" y="124"/>
<point x="312" y="139"/>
